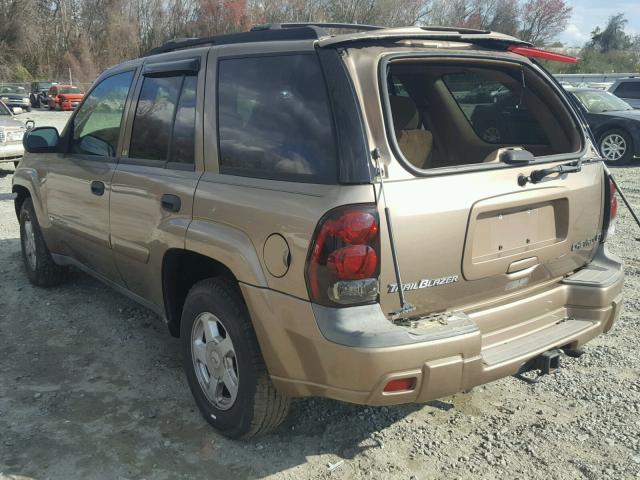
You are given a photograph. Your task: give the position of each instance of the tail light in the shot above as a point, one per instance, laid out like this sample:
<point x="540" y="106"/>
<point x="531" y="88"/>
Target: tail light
<point x="610" y="208"/>
<point x="613" y="201"/>
<point x="344" y="260"/>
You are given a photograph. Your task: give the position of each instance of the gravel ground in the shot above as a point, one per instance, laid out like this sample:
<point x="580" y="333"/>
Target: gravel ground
<point x="91" y="386"/>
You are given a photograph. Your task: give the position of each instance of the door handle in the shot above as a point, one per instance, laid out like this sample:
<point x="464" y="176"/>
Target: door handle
<point x="97" y="188"/>
<point x="170" y="203"/>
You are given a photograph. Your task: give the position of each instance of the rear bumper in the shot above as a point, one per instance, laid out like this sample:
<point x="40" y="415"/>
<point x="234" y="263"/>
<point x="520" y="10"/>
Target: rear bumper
<point x="69" y="105"/>
<point x="351" y="354"/>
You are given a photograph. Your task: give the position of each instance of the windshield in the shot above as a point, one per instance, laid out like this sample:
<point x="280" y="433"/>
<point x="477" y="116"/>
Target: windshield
<point x="15" y="90"/>
<point x="4" y="110"/>
<point x="69" y="90"/>
<point x="599" y="102"/>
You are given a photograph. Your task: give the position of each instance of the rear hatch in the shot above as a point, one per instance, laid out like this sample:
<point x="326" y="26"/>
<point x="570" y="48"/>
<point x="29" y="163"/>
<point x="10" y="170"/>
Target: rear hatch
<point x="468" y="229"/>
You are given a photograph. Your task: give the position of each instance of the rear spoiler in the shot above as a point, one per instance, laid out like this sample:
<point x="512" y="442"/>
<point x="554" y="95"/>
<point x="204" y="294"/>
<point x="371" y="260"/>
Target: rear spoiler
<point x="482" y="38"/>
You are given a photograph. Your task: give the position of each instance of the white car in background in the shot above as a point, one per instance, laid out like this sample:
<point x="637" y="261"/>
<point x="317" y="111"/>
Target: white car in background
<point x="11" y="132"/>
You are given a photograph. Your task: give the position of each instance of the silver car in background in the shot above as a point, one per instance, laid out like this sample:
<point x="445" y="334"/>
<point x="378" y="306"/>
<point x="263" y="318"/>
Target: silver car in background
<point x="11" y="132"/>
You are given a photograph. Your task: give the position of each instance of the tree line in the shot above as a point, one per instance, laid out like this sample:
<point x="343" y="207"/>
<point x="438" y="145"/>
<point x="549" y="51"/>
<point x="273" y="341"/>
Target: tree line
<point x="47" y="39"/>
<point x="610" y="50"/>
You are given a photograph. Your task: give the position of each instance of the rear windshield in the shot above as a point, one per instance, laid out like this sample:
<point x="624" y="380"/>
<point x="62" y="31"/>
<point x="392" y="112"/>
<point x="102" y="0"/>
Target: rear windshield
<point x="13" y="90"/>
<point x="453" y="114"/>
<point x="69" y="90"/>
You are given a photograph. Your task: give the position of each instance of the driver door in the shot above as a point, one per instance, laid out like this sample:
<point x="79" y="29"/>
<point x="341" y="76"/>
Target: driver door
<point x="78" y="186"/>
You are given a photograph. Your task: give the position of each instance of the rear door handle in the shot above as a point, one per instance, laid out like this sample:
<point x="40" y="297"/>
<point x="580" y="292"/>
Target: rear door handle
<point x="97" y="188"/>
<point x="170" y="203"/>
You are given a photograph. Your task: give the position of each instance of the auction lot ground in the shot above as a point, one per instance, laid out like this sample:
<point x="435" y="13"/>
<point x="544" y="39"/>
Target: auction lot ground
<point x="91" y="386"/>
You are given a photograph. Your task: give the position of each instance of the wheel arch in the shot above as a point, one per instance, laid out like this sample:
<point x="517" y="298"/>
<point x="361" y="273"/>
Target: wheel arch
<point x="181" y="270"/>
<point x="22" y="193"/>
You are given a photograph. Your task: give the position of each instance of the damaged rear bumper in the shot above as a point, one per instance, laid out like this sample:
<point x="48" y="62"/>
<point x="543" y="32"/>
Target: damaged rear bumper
<point x="350" y="354"/>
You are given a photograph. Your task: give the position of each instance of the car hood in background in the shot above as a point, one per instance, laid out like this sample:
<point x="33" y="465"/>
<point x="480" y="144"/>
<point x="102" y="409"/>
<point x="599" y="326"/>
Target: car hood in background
<point x="630" y="114"/>
<point x="9" y="121"/>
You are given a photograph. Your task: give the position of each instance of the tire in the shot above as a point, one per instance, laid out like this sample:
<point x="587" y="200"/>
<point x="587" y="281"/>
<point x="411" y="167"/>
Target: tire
<point x="257" y="407"/>
<point x="40" y="267"/>
<point x="28" y="108"/>
<point x="616" y="147"/>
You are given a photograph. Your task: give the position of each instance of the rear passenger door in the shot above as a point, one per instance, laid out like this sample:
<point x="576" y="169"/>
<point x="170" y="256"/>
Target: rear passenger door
<point x="153" y="186"/>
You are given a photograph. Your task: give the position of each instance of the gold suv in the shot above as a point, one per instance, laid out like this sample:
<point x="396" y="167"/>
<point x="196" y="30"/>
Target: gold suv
<point x="379" y="216"/>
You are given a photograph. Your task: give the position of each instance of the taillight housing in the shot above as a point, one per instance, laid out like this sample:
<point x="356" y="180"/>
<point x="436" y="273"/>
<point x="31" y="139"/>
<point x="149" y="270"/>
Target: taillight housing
<point x="610" y="208"/>
<point x="343" y="264"/>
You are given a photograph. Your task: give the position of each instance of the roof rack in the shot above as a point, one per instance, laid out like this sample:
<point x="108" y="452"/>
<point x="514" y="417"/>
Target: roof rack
<point x="266" y="34"/>
<point x="322" y="25"/>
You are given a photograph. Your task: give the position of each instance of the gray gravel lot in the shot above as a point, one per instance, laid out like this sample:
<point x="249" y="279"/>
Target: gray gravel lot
<point x="91" y="386"/>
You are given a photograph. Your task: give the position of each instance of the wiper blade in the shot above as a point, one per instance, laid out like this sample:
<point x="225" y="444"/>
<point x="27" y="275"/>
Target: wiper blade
<point x="537" y="176"/>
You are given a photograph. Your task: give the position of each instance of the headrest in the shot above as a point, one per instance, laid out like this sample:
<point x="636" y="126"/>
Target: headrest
<point x="405" y="113"/>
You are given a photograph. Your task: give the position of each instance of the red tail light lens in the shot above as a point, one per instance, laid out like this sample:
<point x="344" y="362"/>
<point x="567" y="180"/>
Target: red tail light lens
<point x="343" y="264"/>
<point x="353" y="262"/>
<point x="613" y="201"/>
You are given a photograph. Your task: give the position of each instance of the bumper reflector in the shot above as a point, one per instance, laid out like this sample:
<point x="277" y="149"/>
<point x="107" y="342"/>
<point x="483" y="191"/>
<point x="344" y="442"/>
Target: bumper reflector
<point x="400" y="384"/>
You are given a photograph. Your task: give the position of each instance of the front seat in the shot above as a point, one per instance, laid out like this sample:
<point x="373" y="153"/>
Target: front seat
<point x="414" y="142"/>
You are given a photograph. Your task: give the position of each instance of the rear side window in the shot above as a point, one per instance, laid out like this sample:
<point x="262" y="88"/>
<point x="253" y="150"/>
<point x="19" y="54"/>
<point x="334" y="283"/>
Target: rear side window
<point x="164" y="123"/>
<point x="274" y="119"/>
<point x="628" y="90"/>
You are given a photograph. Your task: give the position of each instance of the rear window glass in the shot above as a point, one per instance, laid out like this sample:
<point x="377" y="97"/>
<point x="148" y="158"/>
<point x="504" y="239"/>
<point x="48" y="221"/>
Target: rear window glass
<point x="497" y="112"/>
<point x="274" y="119"/>
<point x="449" y="115"/>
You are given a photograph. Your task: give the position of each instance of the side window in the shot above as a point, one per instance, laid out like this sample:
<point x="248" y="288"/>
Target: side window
<point x="164" y="123"/>
<point x="496" y="111"/>
<point x="628" y="90"/>
<point x="274" y="119"/>
<point x="96" y="126"/>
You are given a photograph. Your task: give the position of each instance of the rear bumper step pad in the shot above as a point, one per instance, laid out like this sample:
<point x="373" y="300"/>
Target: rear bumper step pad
<point x="530" y="344"/>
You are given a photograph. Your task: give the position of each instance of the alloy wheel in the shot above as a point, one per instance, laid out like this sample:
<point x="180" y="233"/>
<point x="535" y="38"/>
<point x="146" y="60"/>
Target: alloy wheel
<point x="30" y="243"/>
<point x="214" y="360"/>
<point x="613" y="147"/>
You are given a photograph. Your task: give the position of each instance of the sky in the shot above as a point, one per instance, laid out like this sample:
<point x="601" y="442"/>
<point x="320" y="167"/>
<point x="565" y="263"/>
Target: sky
<point x="587" y="14"/>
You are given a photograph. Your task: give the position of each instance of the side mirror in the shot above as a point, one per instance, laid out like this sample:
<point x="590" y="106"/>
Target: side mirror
<point x="30" y="124"/>
<point x="17" y="110"/>
<point x="41" y="140"/>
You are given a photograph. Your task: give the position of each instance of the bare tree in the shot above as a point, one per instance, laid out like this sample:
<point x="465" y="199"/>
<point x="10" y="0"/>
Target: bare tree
<point x="542" y="20"/>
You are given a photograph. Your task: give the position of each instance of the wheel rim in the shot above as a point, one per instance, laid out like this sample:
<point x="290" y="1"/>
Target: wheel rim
<point x="613" y="147"/>
<point x="214" y="360"/>
<point x="491" y="135"/>
<point x="29" y="243"/>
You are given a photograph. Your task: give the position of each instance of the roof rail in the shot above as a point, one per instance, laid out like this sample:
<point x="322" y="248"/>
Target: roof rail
<point x="303" y="32"/>
<point x="323" y="25"/>
<point x="469" y="31"/>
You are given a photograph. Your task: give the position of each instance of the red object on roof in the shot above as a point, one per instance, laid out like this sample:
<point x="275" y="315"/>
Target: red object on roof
<point x="543" y="54"/>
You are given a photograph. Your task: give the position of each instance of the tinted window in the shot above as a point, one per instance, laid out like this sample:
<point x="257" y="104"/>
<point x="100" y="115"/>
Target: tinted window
<point x="154" y="117"/>
<point x="184" y="130"/>
<point x="274" y="119"/>
<point x="96" y="126"/>
<point x="164" y="123"/>
<point x="496" y="111"/>
<point x="628" y="90"/>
